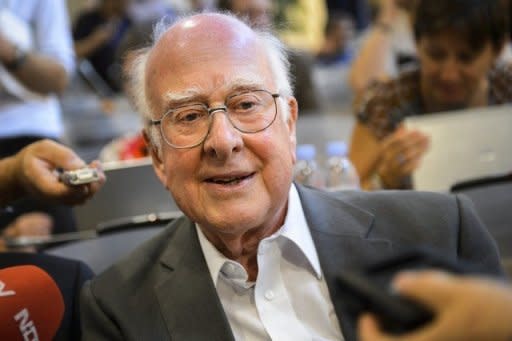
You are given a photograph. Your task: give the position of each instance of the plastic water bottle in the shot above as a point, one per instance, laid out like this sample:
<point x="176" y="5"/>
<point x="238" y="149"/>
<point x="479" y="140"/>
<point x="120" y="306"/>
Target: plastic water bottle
<point x="306" y="170"/>
<point x="341" y="173"/>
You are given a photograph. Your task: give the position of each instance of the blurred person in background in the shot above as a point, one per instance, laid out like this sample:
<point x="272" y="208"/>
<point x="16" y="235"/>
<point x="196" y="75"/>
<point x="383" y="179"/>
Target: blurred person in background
<point x="458" y="43"/>
<point x="359" y="11"/>
<point x="144" y="14"/>
<point x="141" y="11"/>
<point x="332" y="63"/>
<point x="36" y="60"/>
<point x="259" y="13"/>
<point x="391" y="38"/>
<point x="338" y="37"/>
<point x="300" y="23"/>
<point x="97" y="34"/>
<point x="387" y="46"/>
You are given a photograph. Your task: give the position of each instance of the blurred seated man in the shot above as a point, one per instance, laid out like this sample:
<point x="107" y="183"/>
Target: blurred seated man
<point x="97" y="35"/>
<point x="255" y="256"/>
<point x="32" y="172"/>
<point x="339" y="33"/>
<point x="458" y="43"/>
<point x="466" y="308"/>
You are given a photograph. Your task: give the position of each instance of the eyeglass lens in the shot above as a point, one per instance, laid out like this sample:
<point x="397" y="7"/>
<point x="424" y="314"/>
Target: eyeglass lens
<point x="248" y="112"/>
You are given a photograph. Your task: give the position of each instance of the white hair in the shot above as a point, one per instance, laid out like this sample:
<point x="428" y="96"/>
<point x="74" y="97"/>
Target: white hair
<point x="135" y="71"/>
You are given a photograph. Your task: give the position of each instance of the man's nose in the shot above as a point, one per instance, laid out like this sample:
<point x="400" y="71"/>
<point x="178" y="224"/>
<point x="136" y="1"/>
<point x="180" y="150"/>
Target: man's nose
<point x="223" y="138"/>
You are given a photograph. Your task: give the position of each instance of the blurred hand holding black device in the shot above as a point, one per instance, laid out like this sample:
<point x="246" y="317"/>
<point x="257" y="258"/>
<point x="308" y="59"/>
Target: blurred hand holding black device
<point x="370" y="290"/>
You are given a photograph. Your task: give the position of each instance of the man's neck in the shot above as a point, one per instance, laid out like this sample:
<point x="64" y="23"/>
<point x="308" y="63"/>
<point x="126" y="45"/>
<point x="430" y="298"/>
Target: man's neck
<point x="243" y="247"/>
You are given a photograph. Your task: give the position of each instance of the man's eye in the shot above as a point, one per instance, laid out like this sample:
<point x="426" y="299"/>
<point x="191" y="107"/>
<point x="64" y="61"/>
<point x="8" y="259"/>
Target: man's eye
<point x="188" y="116"/>
<point x="246" y="105"/>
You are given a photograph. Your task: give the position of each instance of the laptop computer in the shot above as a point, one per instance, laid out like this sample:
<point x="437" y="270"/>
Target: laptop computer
<point x="131" y="193"/>
<point x="465" y="144"/>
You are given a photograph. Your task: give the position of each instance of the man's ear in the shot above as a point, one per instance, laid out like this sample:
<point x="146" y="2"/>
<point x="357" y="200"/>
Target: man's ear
<point x="293" y="107"/>
<point x="156" y="157"/>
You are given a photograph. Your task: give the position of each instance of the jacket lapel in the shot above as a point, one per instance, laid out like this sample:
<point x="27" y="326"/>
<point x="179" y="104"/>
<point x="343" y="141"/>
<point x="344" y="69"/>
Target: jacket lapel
<point x="342" y="236"/>
<point x="185" y="292"/>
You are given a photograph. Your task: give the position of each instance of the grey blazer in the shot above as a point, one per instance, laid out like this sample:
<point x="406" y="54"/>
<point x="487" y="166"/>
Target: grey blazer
<point x="163" y="290"/>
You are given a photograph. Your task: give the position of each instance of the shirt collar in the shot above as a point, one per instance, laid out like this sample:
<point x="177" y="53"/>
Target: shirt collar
<point x="214" y="258"/>
<point x="295" y="229"/>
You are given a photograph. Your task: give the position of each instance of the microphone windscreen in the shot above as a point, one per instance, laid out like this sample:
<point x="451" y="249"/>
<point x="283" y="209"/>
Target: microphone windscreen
<point x="31" y="304"/>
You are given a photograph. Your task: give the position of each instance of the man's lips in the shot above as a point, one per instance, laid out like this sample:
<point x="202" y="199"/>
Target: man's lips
<point x="229" y="178"/>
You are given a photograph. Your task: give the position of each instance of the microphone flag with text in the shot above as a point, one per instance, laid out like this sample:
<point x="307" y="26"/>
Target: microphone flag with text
<point x="31" y="304"/>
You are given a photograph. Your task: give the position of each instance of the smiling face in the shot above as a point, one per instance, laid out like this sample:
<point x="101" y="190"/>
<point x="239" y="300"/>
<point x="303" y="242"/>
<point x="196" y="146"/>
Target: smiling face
<point x="453" y="74"/>
<point x="233" y="182"/>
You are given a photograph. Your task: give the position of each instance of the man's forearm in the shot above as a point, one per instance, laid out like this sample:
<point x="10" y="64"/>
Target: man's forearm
<point x="36" y="72"/>
<point x="41" y="74"/>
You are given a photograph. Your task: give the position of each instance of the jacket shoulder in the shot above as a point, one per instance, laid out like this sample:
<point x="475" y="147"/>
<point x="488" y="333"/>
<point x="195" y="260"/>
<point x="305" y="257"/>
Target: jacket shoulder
<point x="140" y="265"/>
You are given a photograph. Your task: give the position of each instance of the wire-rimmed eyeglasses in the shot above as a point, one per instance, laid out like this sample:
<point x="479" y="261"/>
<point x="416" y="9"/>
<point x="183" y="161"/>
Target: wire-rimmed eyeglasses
<point x="188" y="126"/>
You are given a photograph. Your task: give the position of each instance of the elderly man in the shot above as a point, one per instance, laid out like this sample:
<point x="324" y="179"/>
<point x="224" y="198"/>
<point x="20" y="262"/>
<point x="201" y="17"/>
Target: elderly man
<point x="255" y="256"/>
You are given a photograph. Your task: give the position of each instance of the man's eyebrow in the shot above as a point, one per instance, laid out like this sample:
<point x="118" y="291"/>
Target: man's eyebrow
<point x="252" y="83"/>
<point x="175" y="99"/>
<point x="196" y="95"/>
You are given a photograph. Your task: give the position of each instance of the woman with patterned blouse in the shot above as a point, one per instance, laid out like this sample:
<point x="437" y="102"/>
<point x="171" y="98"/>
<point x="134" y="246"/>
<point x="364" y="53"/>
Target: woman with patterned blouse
<point x="458" y="43"/>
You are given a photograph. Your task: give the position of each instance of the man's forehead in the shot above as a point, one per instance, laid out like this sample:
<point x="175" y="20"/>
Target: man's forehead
<point x="207" y="57"/>
<point x="207" y="29"/>
<point x="202" y="37"/>
<point x="210" y="70"/>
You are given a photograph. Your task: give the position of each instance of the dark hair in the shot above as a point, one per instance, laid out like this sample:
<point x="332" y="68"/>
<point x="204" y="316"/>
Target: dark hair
<point x="224" y="5"/>
<point x="477" y="21"/>
<point x="333" y="18"/>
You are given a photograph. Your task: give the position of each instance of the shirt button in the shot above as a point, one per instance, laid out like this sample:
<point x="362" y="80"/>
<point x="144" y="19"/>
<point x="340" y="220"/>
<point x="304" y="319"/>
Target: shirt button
<point x="269" y="295"/>
<point x="230" y="269"/>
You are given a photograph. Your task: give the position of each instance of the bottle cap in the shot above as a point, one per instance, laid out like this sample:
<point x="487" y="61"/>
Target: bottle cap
<point x="306" y="152"/>
<point x="336" y="148"/>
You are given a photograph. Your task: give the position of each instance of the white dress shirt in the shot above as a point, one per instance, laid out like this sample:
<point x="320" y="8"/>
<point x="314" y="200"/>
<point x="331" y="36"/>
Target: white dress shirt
<point x="290" y="299"/>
